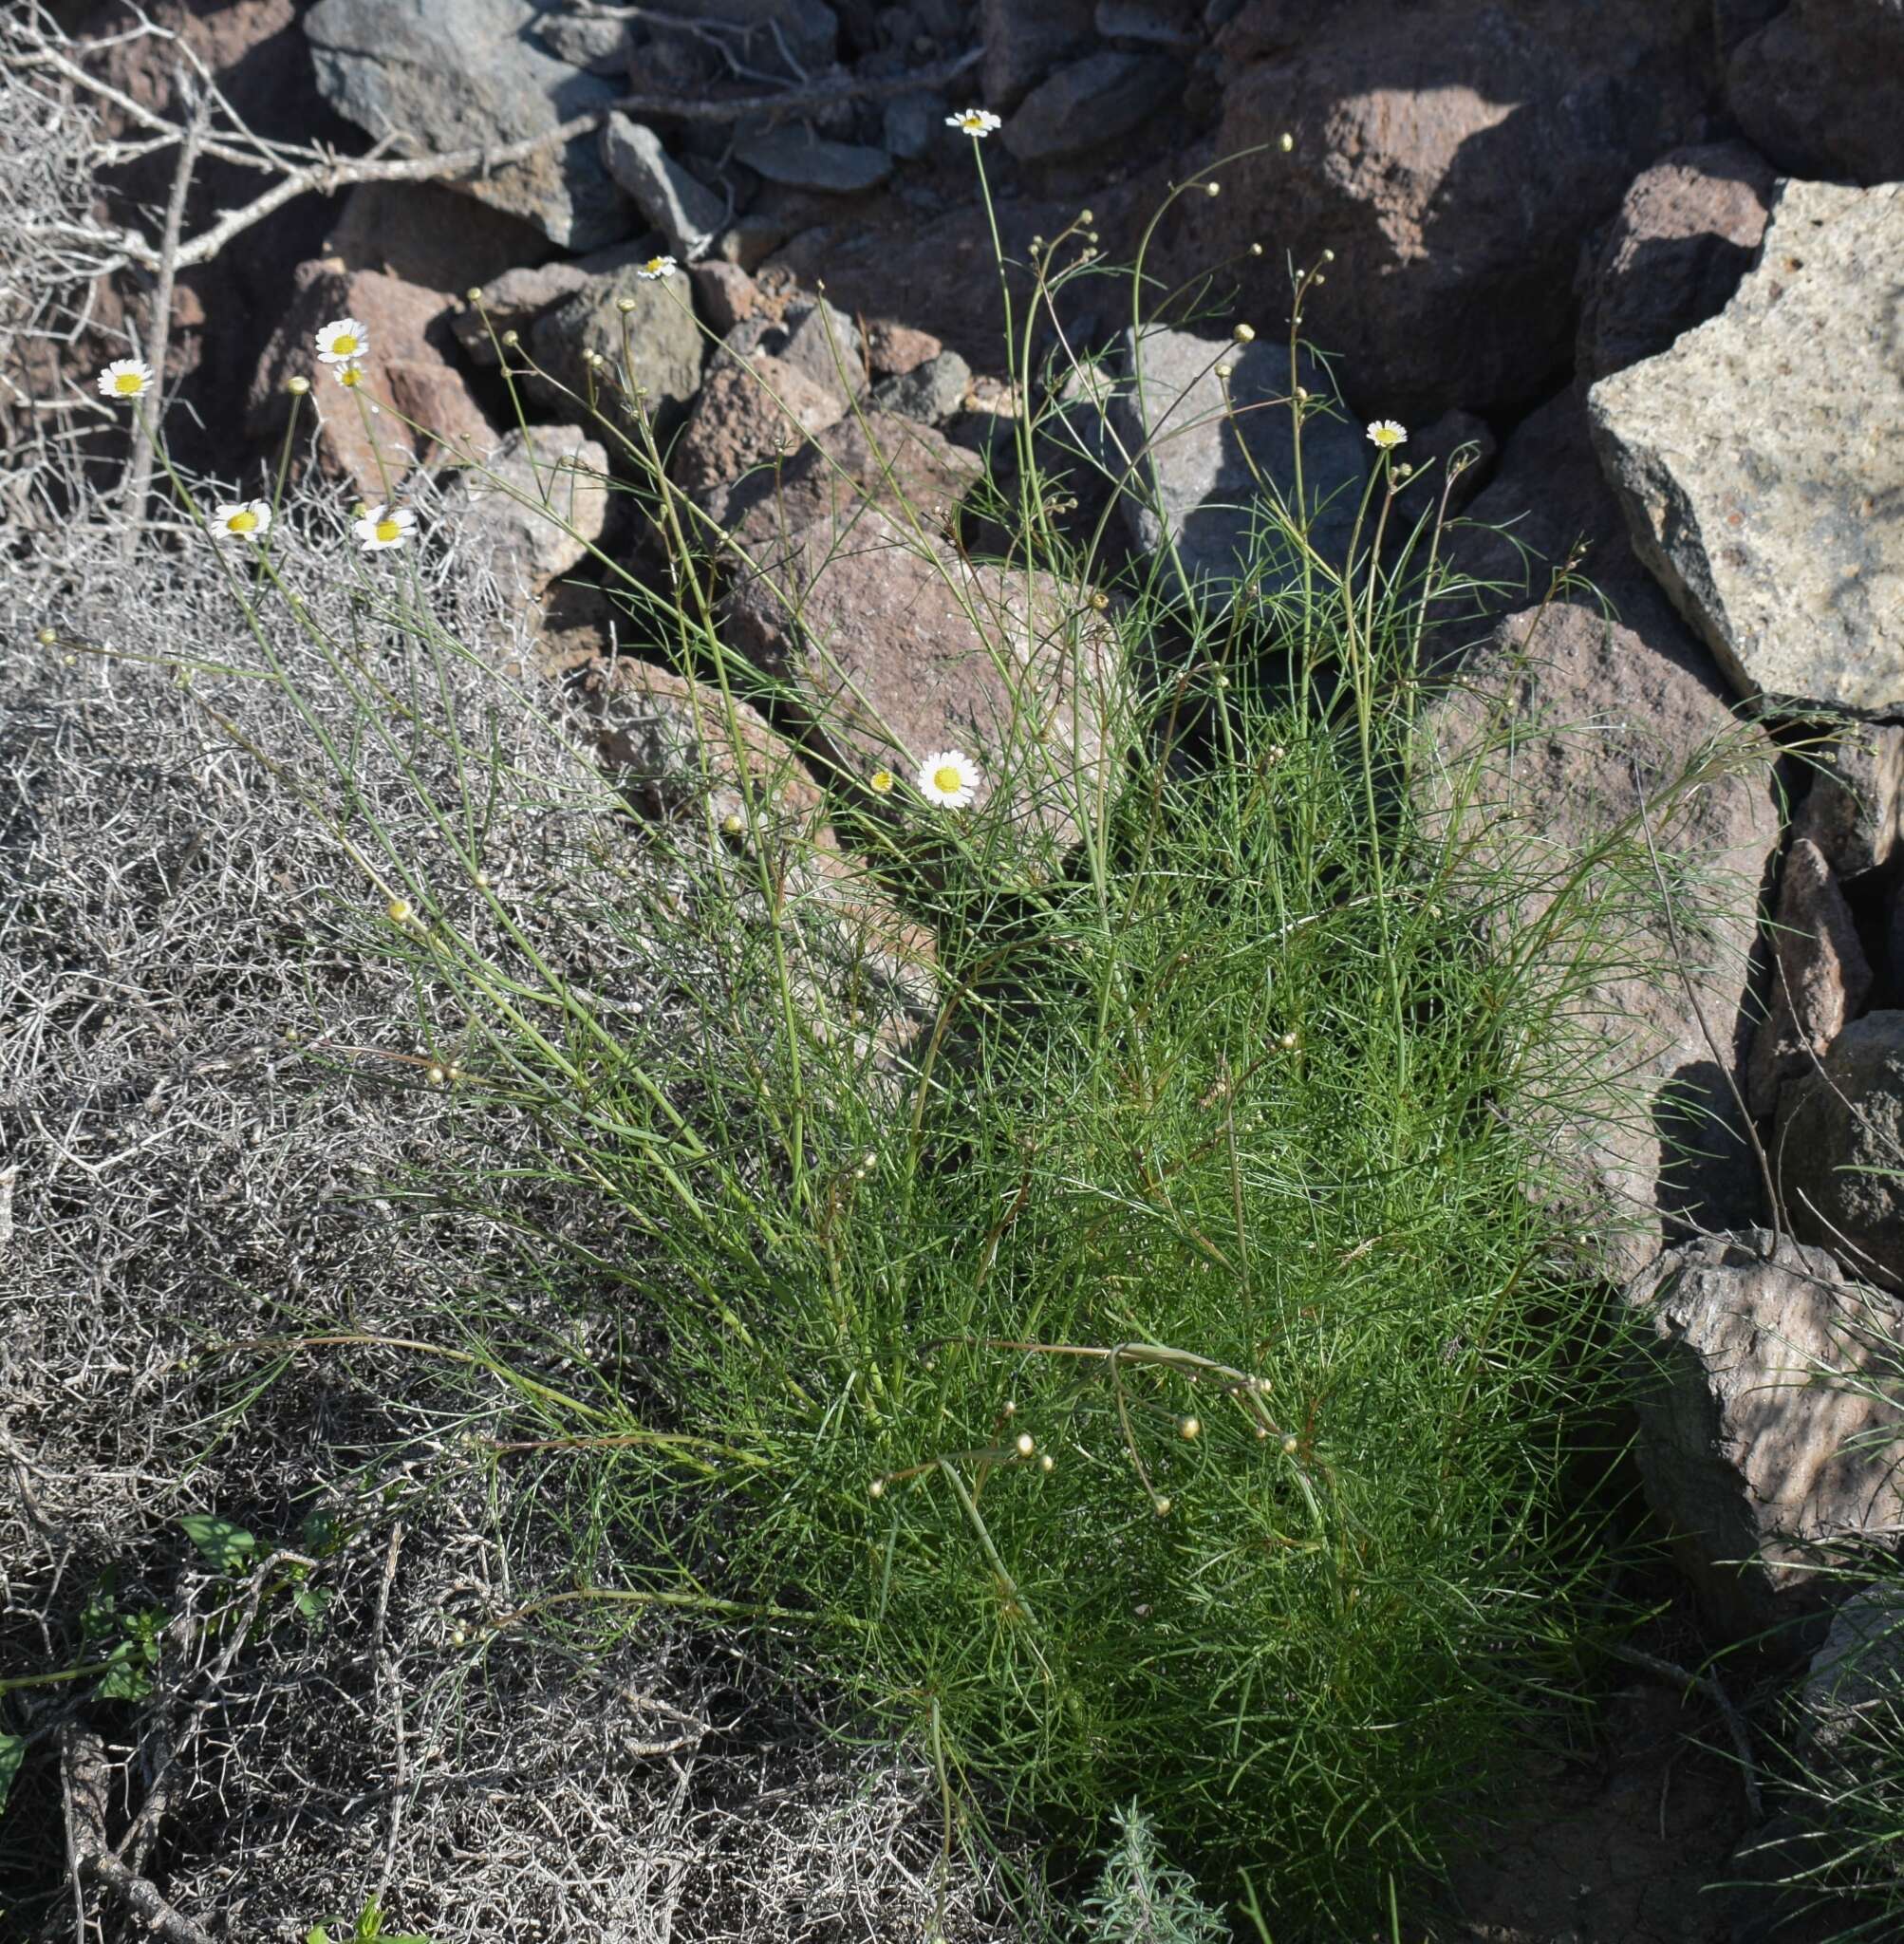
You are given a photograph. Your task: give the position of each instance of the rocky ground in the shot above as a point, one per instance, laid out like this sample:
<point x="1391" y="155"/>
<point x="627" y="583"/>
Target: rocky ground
<point x="1646" y="262"/>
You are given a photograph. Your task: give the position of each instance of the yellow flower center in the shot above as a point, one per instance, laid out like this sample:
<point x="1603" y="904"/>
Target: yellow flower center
<point x="351" y="375"/>
<point x="655" y="265"/>
<point x="947" y="779"/>
<point x="882" y="780"/>
<point x="388" y="530"/>
<point x="344" y="345"/>
<point x="242" y="522"/>
<point x="128" y="384"/>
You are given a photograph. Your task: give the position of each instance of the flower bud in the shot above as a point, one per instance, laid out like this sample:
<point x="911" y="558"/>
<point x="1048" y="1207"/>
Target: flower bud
<point x="474" y="293"/>
<point x="400" y="910"/>
<point x="1286" y="142"/>
<point x="1024" y="1445"/>
<point x="1161" y="1507"/>
<point x="1190" y="1428"/>
<point x="297" y="386"/>
<point x="1046" y="1462"/>
<point x="625" y="304"/>
<point x="1245" y="334"/>
<point x="512" y="338"/>
<point x="47" y="637"/>
<point x="876" y="1490"/>
<point x="1225" y="371"/>
<point x="1213" y="188"/>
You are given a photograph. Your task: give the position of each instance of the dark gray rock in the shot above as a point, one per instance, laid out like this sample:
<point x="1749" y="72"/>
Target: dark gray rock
<point x="1758" y="461"/>
<point x="1024" y="40"/>
<point x="1098" y="99"/>
<point x="1171" y="23"/>
<point x="913" y="124"/>
<point x="792" y="40"/>
<point x="1854" y="810"/>
<point x="1764" y="1431"/>
<point x="1673" y="256"/>
<point x="813" y="336"/>
<point x="1841" y="1150"/>
<point x="685" y="210"/>
<point x="1818" y="88"/>
<point x="1195" y="486"/>
<point x="456" y="74"/>
<point x="932" y="392"/>
<point x="796" y="157"/>
<point x="1820" y="977"/>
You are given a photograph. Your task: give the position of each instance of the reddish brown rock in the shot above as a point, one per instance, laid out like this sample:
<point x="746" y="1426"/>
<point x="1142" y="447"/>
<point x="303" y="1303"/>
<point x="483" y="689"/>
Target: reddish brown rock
<point x="1453" y="156"/>
<point x="409" y="367"/>
<point x="726" y="293"/>
<point x="1766" y="1436"/>
<point x="898" y="648"/>
<point x="1674" y="254"/>
<point x="893" y="349"/>
<point x="747" y="413"/>
<point x="687" y="756"/>
<point x="874" y="460"/>
<point x="1820" y="977"/>
<point x="1553" y="734"/>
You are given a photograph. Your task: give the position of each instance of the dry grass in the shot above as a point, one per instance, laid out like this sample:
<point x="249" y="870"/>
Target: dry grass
<point x="200" y="1131"/>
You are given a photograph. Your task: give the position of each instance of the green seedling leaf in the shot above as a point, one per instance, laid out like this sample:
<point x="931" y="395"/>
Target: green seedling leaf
<point x="313" y="1602"/>
<point x="12" y="1753"/>
<point x="317" y="1934"/>
<point x="225" y="1546"/>
<point x="128" y="1675"/>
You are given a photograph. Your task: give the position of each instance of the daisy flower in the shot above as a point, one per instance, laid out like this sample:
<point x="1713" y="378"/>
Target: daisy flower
<point x="343" y="340"/>
<point x="126" y="377"/>
<point x="349" y="373"/>
<point x="974" y="122"/>
<point x="948" y="778"/>
<point x="656" y="267"/>
<point x="882" y="780"/>
<point x="243" y="519"/>
<point x="1387" y="434"/>
<point x="384" y="525"/>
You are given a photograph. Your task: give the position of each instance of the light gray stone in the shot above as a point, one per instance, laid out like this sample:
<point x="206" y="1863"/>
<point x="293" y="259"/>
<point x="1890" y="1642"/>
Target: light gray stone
<point x="586" y="41"/>
<point x="1196" y="485"/>
<point x="1841" y="1150"/>
<point x="1759" y="464"/>
<point x="456" y="74"/>
<point x="932" y="392"/>
<point x="658" y="340"/>
<point x="534" y="506"/>
<point x="1765" y="1433"/>
<point x="1854" y="1689"/>
<point x="685" y="210"/>
<point x="796" y="157"/>
<point x="1099" y="100"/>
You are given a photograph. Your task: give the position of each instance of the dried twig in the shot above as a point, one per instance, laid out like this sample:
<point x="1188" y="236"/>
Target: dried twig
<point x="1735" y="1722"/>
<point x="84" y="1770"/>
<point x="159" y="327"/>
